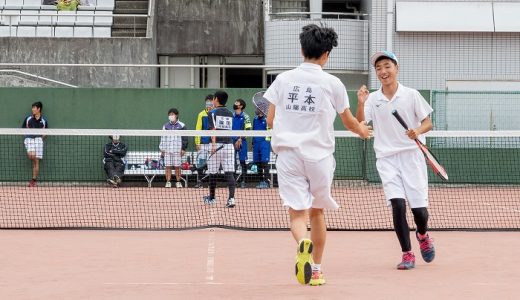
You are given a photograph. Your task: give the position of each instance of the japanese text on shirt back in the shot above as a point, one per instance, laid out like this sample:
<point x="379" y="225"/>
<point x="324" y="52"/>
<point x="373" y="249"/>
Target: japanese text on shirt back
<point x="302" y="98"/>
<point x="223" y="123"/>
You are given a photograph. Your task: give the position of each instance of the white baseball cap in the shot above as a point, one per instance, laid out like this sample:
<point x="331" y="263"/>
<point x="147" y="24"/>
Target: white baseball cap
<point x="386" y="54"/>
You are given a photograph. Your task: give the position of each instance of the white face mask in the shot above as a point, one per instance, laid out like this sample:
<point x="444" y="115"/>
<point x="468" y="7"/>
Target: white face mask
<point x="172" y="118"/>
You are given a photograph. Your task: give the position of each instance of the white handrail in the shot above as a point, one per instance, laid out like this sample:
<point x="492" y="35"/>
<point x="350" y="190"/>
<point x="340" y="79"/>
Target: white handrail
<point x="263" y="67"/>
<point x="145" y="65"/>
<point x="38" y="77"/>
<point x="247" y="133"/>
<point x="70" y="14"/>
<point x="321" y="13"/>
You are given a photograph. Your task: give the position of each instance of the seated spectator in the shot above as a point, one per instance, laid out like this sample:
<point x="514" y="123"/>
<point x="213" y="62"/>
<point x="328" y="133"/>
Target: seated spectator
<point x="67" y="5"/>
<point x="261" y="150"/>
<point x="173" y="148"/>
<point x="113" y="160"/>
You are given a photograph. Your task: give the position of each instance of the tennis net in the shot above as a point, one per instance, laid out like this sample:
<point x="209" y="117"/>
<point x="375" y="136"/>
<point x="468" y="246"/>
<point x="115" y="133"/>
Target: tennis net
<point x="72" y="189"/>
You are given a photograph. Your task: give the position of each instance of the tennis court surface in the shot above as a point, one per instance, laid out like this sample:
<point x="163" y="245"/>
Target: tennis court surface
<point x="231" y="264"/>
<point x="160" y="243"/>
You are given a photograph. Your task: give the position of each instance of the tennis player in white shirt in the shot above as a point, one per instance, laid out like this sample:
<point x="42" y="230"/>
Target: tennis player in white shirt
<point x="400" y="163"/>
<point x="303" y="105"/>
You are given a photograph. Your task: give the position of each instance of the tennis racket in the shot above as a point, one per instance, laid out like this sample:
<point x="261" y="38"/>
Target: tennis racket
<point x="261" y="103"/>
<point x="430" y="158"/>
<point x="203" y="156"/>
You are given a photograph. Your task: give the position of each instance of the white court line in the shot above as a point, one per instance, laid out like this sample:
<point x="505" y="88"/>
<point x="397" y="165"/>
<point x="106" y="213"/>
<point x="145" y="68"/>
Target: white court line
<point x="167" y="283"/>
<point x="502" y="207"/>
<point x="210" y="262"/>
<point x="198" y="283"/>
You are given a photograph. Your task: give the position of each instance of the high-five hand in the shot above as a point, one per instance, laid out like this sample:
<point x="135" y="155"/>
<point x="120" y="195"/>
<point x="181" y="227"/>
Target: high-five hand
<point x="362" y="94"/>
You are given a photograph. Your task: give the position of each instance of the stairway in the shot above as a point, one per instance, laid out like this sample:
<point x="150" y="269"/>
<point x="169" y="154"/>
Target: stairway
<point x="130" y="26"/>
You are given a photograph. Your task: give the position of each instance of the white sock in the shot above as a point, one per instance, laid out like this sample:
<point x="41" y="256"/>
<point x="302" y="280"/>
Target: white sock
<point x="316" y="267"/>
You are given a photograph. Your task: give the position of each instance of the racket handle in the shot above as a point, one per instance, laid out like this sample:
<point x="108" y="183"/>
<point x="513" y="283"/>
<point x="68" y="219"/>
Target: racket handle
<point x="398" y="117"/>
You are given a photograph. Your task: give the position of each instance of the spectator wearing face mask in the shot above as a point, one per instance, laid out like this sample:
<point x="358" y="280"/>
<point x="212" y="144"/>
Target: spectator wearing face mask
<point x="173" y="148"/>
<point x="203" y="142"/>
<point x="241" y="121"/>
<point x="261" y="150"/>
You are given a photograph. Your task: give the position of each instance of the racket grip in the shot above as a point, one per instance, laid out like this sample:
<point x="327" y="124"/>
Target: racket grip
<point x="398" y="117"/>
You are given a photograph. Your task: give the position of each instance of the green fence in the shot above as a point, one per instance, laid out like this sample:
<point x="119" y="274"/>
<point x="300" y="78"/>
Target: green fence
<point x="79" y="158"/>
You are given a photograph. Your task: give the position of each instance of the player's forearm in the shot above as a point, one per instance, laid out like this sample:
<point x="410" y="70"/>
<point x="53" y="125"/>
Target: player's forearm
<point x="426" y="125"/>
<point x="270" y="115"/>
<point x="360" y="113"/>
<point x="350" y="122"/>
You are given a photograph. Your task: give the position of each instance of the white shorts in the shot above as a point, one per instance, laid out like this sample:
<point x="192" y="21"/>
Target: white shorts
<point x="304" y="184"/>
<point x="172" y="159"/>
<point x="224" y="157"/>
<point x="34" y="145"/>
<point x="404" y="175"/>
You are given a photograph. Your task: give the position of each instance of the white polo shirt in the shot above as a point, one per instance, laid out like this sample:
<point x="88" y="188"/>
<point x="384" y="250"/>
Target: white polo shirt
<point x="307" y="100"/>
<point x="389" y="135"/>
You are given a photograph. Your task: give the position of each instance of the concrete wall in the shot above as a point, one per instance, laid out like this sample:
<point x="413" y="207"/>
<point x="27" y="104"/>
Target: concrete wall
<point x="85" y="50"/>
<point x="202" y="27"/>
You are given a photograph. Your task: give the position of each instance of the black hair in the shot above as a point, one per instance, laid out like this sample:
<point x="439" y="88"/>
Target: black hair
<point x="317" y="40"/>
<point x="173" y="111"/>
<point x="384" y="57"/>
<point x="208" y="97"/>
<point x="38" y="104"/>
<point x="242" y="102"/>
<point x="222" y="97"/>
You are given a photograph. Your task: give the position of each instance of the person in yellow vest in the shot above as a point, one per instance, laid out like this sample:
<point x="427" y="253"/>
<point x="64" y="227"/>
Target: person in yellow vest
<point x="203" y="143"/>
<point x="68" y="5"/>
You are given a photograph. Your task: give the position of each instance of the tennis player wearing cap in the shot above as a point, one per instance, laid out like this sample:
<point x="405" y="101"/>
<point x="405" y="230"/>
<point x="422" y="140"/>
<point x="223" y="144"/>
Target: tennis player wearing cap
<point x="400" y="163"/>
<point x="303" y="105"/>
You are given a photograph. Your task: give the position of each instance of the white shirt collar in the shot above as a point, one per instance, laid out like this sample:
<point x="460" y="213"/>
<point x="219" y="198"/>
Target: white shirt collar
<point x="306" y="65"/>
<point x="398" y="93"/>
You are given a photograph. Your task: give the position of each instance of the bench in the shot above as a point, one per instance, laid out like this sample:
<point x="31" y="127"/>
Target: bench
<point x="147" y="164"/>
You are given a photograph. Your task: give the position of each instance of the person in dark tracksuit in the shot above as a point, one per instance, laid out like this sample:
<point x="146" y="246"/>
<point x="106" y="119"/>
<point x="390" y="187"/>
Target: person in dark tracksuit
<point x="221" y="118"/>
<point x="261" y="150"/>
<point x="113" y="160"/>
<point x="241" y="121"/>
